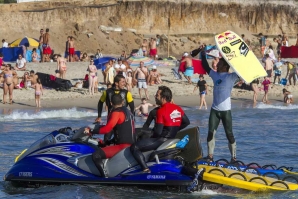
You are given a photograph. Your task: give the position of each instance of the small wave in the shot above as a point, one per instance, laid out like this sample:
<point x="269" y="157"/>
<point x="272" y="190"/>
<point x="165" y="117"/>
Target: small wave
<point x="272" y="106"/>
<point x="62" y="113"/>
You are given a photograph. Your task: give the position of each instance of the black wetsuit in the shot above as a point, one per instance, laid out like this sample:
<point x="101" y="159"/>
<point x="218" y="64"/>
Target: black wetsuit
<point x="107" y="96"/>
<point x="170" y="118"/>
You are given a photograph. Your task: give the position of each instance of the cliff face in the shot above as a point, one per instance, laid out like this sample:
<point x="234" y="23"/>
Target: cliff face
<point x="148" y="17"/>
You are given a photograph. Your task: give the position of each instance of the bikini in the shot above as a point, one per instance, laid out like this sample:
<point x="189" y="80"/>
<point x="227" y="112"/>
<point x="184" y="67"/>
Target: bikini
<point x="6" y="76"/>
<point x="37" y="92"/>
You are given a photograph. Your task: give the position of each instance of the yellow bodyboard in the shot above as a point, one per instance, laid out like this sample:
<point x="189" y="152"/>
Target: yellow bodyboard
<point x="237" y="53"/>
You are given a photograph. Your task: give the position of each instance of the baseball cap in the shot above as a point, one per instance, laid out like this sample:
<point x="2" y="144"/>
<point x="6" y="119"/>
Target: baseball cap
<point x="185" y="54"/>
<point x="153" y="67"/>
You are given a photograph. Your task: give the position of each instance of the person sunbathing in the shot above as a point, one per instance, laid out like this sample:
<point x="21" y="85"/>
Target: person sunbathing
<point x="154" y="77"/>
<point x="288" y="97"/>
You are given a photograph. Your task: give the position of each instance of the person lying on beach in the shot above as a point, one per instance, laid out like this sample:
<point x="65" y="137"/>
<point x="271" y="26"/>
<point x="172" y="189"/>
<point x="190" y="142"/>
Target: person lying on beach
<point x="142" y="109"/>
<point x="288" y="97"/>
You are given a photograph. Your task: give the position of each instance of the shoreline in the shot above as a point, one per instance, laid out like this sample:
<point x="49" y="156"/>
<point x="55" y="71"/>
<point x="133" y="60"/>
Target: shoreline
<point x="91" y="103"/>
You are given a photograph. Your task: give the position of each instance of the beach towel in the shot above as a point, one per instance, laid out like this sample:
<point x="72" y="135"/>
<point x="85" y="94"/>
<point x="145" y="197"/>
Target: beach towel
<point x="110" y="75"/>
<point x="197" y="66"/>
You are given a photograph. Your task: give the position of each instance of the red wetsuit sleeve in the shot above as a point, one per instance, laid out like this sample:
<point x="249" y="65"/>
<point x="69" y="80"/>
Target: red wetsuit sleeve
<point x="114" y="119"/>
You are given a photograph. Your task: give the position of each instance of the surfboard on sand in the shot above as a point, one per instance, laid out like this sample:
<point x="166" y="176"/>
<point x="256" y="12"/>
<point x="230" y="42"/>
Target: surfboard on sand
<point x="237" y="53"/>
<point x="197" y="66"/>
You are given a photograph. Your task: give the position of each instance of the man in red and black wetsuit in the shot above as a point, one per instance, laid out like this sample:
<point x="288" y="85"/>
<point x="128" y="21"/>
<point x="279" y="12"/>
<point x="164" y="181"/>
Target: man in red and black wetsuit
<point x="170" y="118"/>
<point x="121" y="121"/>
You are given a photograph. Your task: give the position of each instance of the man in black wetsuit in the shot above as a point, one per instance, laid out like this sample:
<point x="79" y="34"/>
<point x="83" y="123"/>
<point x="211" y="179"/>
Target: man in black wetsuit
<point x="170" y="118"/>
<point x="117" y="88"/>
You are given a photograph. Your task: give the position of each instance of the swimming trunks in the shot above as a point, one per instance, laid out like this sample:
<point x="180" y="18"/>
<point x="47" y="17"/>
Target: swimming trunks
<point x="71" y="51"/>
<point x="269" y="72"/>
<point x="153" y="52"/>
<point x="189" y="71"/>
<point x="203" y="93"/>
<point x="144" y="115"/>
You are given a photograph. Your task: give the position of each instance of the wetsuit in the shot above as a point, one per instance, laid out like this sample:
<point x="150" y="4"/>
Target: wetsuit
<point x="106" y="97"/>
<point x="170" y="118"/>
<point x="221" y="107"/>
<point x="121" y="121"/>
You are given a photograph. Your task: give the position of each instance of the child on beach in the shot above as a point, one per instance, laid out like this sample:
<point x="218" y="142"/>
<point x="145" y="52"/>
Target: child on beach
<point x="266" y="84"/>
<point x="203" y="91"/>
<point x="129" y="81"/>
<point x="38" y="92"/>
<point x="288" y="97"/>
<point x="143" y="108"/>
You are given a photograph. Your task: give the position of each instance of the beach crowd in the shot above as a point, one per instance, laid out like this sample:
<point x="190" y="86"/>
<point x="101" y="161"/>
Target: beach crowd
<point x="143" y="76"/>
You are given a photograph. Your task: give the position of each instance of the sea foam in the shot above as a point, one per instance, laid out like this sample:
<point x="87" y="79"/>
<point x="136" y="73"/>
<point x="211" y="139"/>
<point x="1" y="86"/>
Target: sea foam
<point x="46" y="114"/>
<point x="277" y="106"/>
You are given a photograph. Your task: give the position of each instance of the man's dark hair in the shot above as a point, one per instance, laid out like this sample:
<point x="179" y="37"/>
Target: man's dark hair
<point x="3" y="40"/>
<point x="165" y="93"/>
<point x="116" y="99"/>
<point x="47" y="30"/>
<point x="117" y="78"/>
<point x="260" y="34"/>
<point x="32" y="71"/>
<point x="223" y="63"/>
<point x="267" y="55"/>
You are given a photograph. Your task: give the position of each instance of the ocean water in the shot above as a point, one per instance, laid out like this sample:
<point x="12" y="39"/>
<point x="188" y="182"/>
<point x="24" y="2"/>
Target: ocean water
<point x="265" y="134"/>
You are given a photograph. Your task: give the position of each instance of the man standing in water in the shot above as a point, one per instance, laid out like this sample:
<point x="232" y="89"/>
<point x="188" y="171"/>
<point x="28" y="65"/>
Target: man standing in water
<point x="221" y="107"/>
<point x="117" y="88"/>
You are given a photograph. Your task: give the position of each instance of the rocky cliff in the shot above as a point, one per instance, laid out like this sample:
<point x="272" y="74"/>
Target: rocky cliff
<point x="198" y="18"/>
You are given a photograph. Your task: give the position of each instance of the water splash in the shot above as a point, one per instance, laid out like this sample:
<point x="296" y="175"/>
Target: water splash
<point x="276" y="106"/>
<point x="43" y="114"/>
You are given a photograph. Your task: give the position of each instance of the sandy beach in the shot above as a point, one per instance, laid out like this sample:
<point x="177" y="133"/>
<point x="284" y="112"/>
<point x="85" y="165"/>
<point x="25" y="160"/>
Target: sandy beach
<point x="182" y="92"/>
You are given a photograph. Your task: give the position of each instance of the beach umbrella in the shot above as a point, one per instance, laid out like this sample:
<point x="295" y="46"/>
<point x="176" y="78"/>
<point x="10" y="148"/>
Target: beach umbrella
<point x="135" y="60"/>
<point x="26" y="41"/>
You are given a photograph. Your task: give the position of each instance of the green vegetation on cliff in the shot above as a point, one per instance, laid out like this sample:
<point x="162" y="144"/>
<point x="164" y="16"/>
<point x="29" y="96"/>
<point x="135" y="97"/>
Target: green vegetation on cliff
<point x="8" y="1"/>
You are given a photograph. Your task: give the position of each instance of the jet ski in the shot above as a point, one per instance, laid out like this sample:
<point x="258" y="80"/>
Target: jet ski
<point x="65" y="156"/>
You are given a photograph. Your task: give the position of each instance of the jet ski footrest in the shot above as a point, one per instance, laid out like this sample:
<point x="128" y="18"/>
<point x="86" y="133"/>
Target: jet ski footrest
<point x="163" y="153"/>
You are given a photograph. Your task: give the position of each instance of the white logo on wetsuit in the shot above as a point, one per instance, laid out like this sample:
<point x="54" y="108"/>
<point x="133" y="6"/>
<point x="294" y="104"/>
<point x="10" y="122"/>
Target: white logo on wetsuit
<point x="175" y="114"/>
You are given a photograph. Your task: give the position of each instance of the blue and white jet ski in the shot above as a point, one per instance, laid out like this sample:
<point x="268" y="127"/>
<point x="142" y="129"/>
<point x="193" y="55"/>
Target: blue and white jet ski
<point x="65" y="156"/>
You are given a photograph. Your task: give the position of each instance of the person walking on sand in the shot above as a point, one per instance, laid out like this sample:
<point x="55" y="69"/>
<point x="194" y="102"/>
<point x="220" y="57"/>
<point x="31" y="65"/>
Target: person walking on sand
<point x="46" y="45"/>
<point x="254" y="86"/>
<point x="142" y="73"/>
<point x="291" y="71"/>
<point x="40" y="44"/>
<point x="153" y="48"/>
<point x="92" y="77"/>
<point x="8" y="85"/>
<point x="202" y="85"/>
<point x="266" y="84"/>
<point x="38" y="92"/>
<point x="128" y="80"/>
<point x="268" y="66"/>
<point x="221" y="107"/>
<point x="144" y="47"/>
<point x="189" y="67"/>
<point x="61" y="66"/>
<point x="71" y="49"/>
